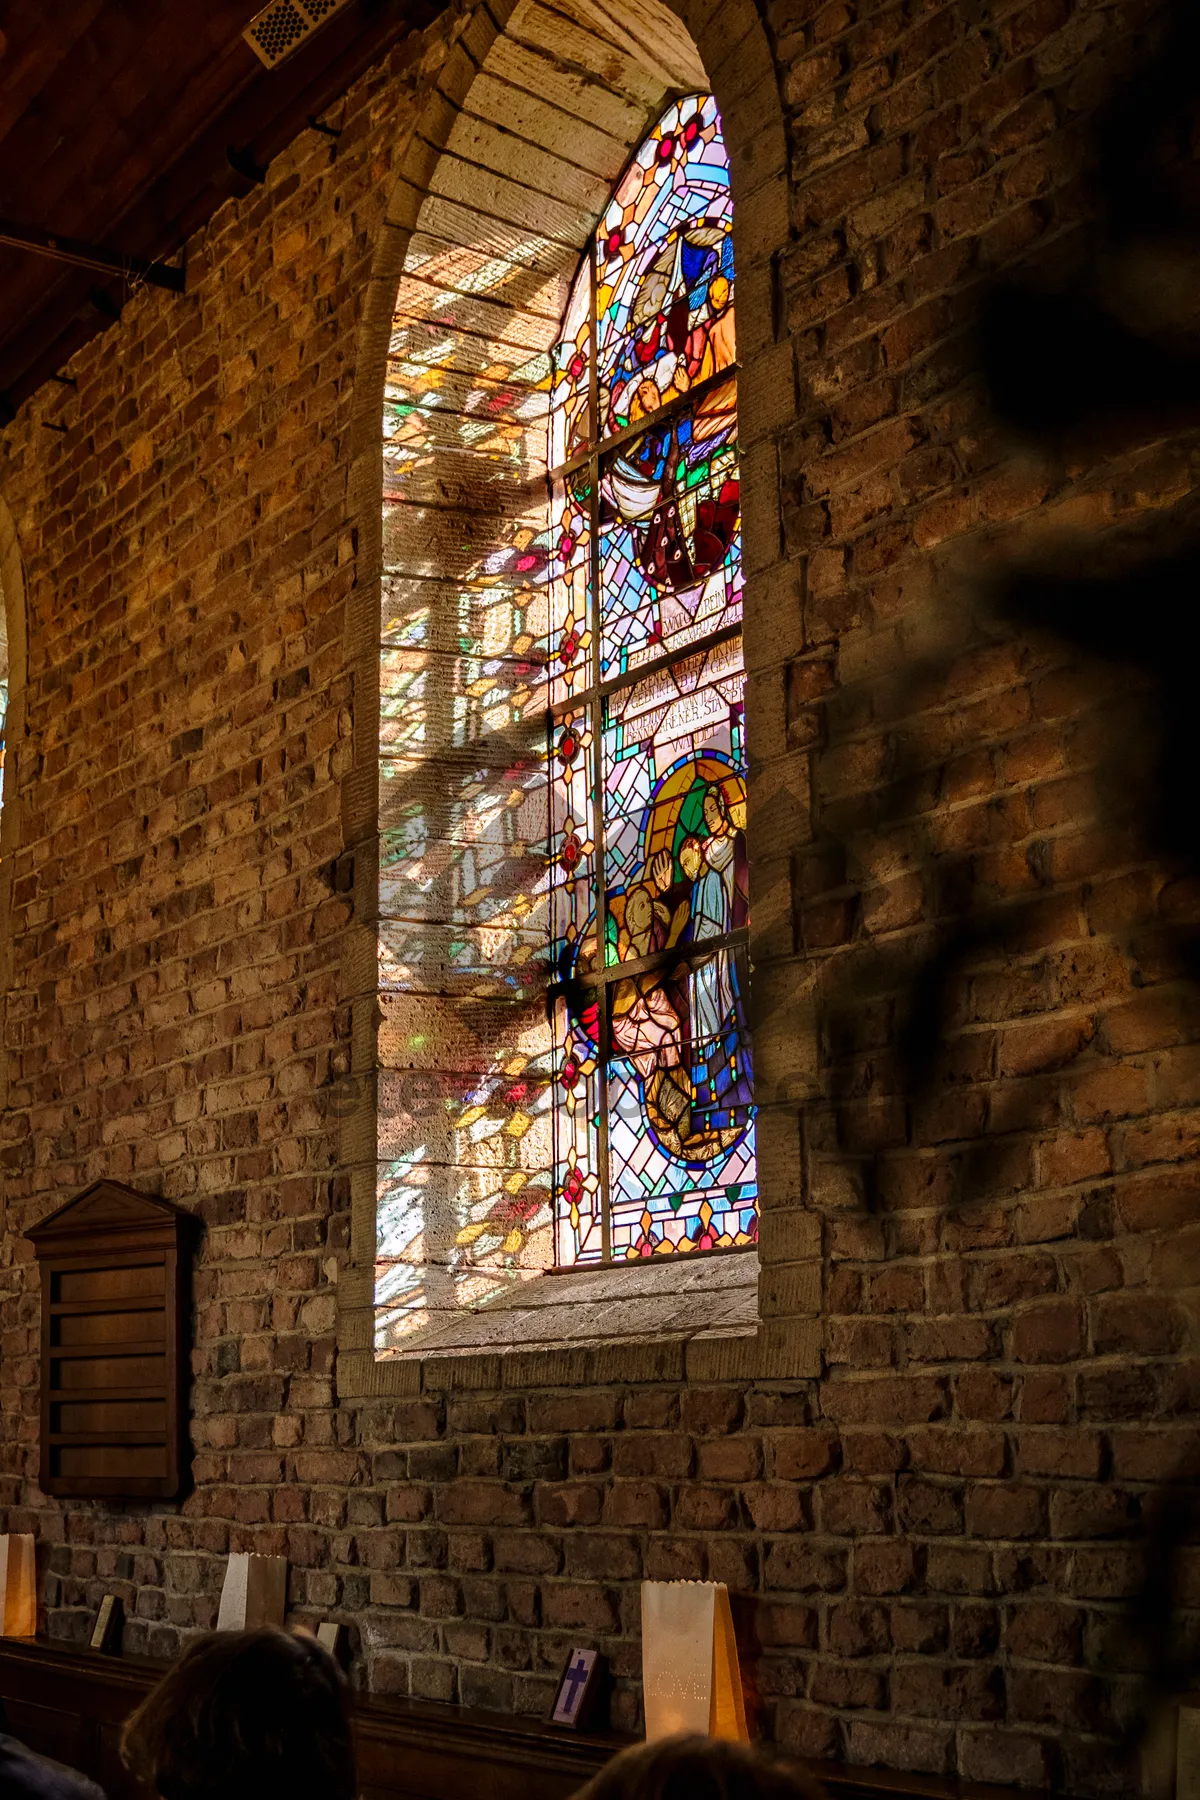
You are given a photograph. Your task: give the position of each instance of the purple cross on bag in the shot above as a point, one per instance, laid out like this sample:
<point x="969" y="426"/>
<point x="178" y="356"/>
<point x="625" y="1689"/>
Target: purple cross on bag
<point x="574" y="1679"/>
<point x="580" y="1666"/>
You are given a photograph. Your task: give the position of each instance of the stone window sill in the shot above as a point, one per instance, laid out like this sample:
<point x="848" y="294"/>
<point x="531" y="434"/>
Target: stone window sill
<point x="680" y="1299"/>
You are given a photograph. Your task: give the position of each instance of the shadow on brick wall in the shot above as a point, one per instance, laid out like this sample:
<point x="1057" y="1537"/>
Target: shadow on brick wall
<point x="948" y="902"/>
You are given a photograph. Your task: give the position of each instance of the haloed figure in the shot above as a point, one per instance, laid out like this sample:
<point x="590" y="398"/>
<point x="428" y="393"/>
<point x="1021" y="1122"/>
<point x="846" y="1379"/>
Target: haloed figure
<point x="718" y="906"/>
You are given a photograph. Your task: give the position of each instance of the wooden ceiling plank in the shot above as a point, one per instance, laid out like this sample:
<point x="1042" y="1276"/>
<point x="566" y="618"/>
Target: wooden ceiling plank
<point x="62" y="324"/>
<point x="204" y="60"/>
<point x="46" y="48"/>
<point x="267" y="115"/>
<point x="204" y="91"/>
<point x="150" y="203"/>
<point x="142" y="138"/>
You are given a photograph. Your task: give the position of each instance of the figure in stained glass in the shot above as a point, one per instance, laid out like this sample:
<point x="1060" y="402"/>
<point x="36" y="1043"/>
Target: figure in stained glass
<point x="664" y="269"/>
<point x="660" y="889"/>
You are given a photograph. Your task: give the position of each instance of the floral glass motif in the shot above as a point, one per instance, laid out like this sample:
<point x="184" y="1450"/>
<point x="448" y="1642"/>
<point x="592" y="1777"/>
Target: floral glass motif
<point x="654" y="1113"/>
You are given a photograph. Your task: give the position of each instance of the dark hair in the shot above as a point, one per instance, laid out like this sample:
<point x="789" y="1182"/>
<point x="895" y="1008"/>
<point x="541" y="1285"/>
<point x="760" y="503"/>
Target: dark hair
<point x="696" y="1768"/>
<point x="245" y="1715"/>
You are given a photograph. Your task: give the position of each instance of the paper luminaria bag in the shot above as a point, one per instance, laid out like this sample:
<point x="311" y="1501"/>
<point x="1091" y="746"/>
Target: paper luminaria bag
<point x="18" y="1586"/>
<point x="690" y="1674"/>
<point x="1187" y="1750"/>
<point x="255" y="1592"/>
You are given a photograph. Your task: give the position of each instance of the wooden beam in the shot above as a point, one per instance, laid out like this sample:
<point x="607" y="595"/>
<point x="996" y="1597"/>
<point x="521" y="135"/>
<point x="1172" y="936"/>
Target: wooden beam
<point x="263" y="112"/>
<point x="87" y="256"/>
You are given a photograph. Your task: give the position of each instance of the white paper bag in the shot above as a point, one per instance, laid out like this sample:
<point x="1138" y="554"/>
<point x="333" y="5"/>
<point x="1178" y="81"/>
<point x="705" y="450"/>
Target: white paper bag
<point x="255" y="1592"/>
<point x="18" y="1586"/>
<point x="691" y="1679"/>
<point x="1187" y="1752"/>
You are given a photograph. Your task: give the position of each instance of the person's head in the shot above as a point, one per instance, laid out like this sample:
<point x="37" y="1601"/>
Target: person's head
<point x="716" y="812"/>
<point x="691" y="856"/>
<point x="639" y="917"/>
<point x="244" y="1715"/>
<point x="695" y="1768"/>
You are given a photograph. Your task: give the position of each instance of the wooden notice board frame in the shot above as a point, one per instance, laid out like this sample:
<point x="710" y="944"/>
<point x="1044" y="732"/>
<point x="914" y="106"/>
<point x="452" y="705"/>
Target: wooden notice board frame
<point x="114" y="1267"/>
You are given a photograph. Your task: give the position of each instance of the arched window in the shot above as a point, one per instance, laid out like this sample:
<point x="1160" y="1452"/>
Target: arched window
<point x="563" y="1066"/>
<point x="653" y="1142"/>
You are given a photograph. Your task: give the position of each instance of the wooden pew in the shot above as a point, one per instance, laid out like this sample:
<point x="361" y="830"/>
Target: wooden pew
<point x="70" y="1704"/>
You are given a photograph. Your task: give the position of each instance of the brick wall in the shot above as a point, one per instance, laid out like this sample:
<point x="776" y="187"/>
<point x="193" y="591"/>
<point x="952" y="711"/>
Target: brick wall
<point x="933" y="1542"/>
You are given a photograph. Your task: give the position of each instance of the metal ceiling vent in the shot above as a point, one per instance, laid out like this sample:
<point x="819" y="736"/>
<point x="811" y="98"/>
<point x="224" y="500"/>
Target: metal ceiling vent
<point x="283" y="26"/>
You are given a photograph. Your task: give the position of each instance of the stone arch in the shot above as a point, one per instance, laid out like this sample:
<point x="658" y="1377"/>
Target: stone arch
<point x="654" y="51"/>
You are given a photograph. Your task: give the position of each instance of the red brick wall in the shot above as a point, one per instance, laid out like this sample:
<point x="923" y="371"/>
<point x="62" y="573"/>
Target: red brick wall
<point x="934" y="1542"/>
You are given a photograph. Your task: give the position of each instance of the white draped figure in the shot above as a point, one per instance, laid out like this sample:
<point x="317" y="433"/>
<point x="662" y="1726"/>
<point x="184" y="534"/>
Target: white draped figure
<point x="711" y="981"/>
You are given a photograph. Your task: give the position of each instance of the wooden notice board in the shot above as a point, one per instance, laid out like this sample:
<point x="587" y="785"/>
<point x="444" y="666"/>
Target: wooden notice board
<point x="114" y="1267"/>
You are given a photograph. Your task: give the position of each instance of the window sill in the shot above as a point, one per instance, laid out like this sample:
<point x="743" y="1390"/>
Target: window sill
<point x="641" y="1303"/>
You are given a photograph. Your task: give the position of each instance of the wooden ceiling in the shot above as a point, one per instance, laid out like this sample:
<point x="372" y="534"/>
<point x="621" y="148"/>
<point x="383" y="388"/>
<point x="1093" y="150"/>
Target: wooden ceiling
<point x="116" y="122"/>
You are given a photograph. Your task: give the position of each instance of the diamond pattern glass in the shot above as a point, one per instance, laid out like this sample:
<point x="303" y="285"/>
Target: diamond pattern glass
<point x="654" y="1148"/>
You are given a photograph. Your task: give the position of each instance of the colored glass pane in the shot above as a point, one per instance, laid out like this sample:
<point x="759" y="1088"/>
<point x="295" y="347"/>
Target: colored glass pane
<point x="578" y="1228"/>
<point x="664" y="268"/>
<point x="470" y="612"/>
<point x="675" y="806"/>
<point x="465" y="1146"/>
<point x="572" y="850"/>
<point x="659" y="1061"/>
<point x="670" y="539"/>
<point x="570" y="416"/>
<point x="567" y="646"/>
<point x="681" y="1133"/>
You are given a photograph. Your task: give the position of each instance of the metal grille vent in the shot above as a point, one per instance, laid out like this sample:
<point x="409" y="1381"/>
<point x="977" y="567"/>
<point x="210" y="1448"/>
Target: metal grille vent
<point x="283" y="26"/>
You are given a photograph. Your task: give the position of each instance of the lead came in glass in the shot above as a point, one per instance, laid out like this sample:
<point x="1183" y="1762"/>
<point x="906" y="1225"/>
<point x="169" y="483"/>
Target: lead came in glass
<point x="654" y="1111"/>
<point x="670" y="545"/>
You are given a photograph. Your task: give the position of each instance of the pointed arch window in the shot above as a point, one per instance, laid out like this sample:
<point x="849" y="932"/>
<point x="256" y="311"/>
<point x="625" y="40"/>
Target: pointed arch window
<point x="653" y="1113"/>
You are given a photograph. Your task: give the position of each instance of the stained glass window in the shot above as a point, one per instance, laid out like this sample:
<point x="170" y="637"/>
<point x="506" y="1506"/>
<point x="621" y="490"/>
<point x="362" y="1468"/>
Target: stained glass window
<point x="3" y="684"/>
<point x="564" y="1072"/>
<point x="653" y="1115"/>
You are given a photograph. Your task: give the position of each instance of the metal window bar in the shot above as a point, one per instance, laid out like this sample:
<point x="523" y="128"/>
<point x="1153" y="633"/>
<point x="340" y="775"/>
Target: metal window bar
<point x="662" y="415"/>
